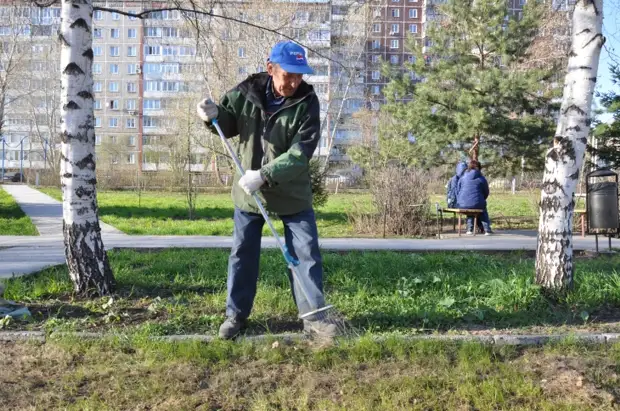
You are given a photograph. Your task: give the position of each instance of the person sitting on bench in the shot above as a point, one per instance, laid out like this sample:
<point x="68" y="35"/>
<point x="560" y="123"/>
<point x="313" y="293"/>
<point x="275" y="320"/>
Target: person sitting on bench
<point x="473" y="191"/>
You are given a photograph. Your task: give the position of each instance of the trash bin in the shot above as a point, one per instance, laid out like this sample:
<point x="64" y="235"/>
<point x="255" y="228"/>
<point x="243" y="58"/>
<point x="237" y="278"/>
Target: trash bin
<point x="602" y="203"/>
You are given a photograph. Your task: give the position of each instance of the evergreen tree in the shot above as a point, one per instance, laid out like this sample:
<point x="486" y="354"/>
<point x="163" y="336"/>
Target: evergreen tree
<point x="607" y="149"/>
<point x="468" y="89"/>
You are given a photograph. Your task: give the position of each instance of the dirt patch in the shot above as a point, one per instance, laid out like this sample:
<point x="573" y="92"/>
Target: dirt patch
<point x="564" y="376"/>
<point x="79" y="376"/>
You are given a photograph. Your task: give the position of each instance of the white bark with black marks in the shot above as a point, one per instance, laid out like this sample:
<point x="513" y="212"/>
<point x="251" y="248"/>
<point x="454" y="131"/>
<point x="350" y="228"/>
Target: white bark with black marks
<point x="554" y="258"/>
<point x="86" y="257"/>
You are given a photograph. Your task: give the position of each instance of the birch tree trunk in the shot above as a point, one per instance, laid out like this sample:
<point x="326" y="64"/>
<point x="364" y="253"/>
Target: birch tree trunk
<point x="554" y="257"/>
<point x="86" y="257"/>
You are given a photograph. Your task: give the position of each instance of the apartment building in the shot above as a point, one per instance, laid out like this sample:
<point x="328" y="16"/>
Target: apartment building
<point x="393" y="23"/>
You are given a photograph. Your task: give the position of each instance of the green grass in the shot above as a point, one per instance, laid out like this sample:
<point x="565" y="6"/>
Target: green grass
<point x="157" y="213"/>
<point x="13" y="221"/>
<point x="183" y="291"/>
<point x="132" y="373"/>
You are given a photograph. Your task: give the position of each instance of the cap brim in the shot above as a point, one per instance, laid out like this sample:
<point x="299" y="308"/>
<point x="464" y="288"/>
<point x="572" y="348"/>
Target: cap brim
<point x="295" y="69"/>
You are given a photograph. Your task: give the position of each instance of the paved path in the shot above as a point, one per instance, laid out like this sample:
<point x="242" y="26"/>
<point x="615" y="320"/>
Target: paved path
<point x="21" y="255"/>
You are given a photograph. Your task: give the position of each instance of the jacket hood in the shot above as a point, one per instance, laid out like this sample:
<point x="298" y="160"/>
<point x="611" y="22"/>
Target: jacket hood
<point x="472" y="174"/>
<point x="460" y="168"/>
<point x="254" y="89"/>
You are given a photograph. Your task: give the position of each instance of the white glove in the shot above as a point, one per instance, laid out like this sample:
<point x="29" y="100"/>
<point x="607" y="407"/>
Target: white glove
<point x="251" y="181"/>
<point x="207" y="110"/>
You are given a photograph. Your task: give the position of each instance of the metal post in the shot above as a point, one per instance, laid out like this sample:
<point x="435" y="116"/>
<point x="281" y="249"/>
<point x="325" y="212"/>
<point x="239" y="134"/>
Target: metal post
<point x="3" y="155"/>
<point x="596" y="240"/>
<point x="21" y="161"/>
<point x="45" y="154"/>
<point x="609" y="239"/>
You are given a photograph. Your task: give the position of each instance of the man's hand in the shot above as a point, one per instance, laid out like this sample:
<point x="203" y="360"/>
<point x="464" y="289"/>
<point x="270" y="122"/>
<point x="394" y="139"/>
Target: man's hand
<point x="207" y="110"/>
<point x="251" y="181"/>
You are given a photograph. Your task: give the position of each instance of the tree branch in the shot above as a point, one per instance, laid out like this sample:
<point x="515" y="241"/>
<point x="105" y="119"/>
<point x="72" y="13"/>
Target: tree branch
<point x="144" y="14"/>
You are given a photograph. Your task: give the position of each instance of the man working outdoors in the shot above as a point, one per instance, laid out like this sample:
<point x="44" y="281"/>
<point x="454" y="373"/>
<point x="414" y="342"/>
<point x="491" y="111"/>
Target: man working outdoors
<point x="276" y="115"/>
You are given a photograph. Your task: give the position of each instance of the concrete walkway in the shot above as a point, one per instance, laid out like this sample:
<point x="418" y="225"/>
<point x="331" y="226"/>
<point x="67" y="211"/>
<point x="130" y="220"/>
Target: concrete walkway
<point x="22" y="255"/>
<point x="44" y="211"/>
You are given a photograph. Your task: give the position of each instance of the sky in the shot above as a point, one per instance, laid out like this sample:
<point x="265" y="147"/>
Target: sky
<point x="611" y="49"/>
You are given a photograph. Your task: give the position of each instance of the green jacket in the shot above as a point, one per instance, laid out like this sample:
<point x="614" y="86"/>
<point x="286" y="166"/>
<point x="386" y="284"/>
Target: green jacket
<point x="288" y="139"/>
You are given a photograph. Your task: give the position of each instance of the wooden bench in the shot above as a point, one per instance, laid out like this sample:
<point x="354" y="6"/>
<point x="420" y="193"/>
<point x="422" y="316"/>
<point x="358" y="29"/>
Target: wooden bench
<point x="460" y="212"/>
<point x="582" y="219"/>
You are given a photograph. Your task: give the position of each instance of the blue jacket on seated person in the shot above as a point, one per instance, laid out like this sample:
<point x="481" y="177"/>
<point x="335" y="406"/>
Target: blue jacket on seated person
<point x="473" y="190"/>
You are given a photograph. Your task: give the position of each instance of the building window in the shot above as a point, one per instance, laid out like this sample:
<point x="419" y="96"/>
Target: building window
<point x="132" y="139"/>
<point x="97" y="122"/>
<point x="97" y="140"/>
<point x="116" y="16"/>
<point x="152" y="104"/>
<point x="132" y="51"/>
<point x="413" y="1"/>
<point x="131" y="87"/>
<point x="98" y="33"/>
<point x="376" y="75"/>
<point x="375" y="58"/>
<point x="113" y="86"/>
<point x="152" y="32"/>
<point x="413" y="28"/>
<point x="394" y="59"/>
<point x="115" y="51"/>
<point x="394" y="44"/>
<point x="96" y="68"/>
<point x="97" y="105"/>
<point x="113" y="122"/>
<point x="115" y="33"/>
<point x="130" y="123"/>
<point x="170" y="32"/>
<point x="395" y="12"/>
<point x="131" y="158"/>
<point x="98" y="51"/>
<point x="241" y="52"/>
<point x="131" y="33"/>
<point x="134" y="12"/>
<point x="149" y="122"/>
<point x="413" y="13"/>
<point x="114" y="104"/>
<point x="113" y="68"/>
<point x="97" y="87"/>
<point x="412" y="59"/>
<point x="152" y="50"/>
<point x="98" y="15"/>
<point x="376" y="28"/>
<point x="376" y="90"/>
<point x="131" y="68"/>
<point x="395" y="29"/>
<point x="376" y="44"/>
<point x="130" y="104"/>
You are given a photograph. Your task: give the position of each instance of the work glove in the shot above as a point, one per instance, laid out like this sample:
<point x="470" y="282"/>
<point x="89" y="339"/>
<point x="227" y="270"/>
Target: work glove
<point x="207" y="110"/>
<point x="251" y="181"/>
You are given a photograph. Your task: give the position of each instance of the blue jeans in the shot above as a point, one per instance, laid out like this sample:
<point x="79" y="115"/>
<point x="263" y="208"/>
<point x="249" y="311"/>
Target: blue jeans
<point x="302" y="240"/>
<point x="484" y="222"/>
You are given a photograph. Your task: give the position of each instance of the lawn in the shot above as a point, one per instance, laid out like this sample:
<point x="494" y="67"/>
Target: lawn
<point x="157" y="213"/>
<point x="183" y="291"/>
<point x="13" y="221"/>
<point x="135" y="374"/>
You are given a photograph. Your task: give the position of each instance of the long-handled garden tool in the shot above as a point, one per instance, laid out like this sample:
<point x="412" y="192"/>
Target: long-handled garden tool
<point x="325" y="313"/>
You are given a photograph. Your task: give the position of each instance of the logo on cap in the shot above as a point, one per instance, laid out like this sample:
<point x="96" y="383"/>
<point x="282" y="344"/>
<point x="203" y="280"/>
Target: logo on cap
<point x="298" y="56"/>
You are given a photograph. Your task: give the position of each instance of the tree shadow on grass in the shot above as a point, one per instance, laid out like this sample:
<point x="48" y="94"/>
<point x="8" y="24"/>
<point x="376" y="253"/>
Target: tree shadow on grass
<point x="201" y="213"/>
<point x="164" y="213"/>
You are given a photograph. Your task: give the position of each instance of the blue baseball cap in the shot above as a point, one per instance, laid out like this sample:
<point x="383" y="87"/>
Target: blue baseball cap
<point x="291" y="57"/>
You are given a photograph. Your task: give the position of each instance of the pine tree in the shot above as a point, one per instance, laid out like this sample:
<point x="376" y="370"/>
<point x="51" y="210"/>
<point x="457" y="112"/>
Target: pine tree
<point x="607" y="148"/>
<point x="468" y="89"/>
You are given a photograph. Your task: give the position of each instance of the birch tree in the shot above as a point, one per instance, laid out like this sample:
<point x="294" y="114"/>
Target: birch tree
<point x="84" y="250"/>
<point x="554" y="257"/>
